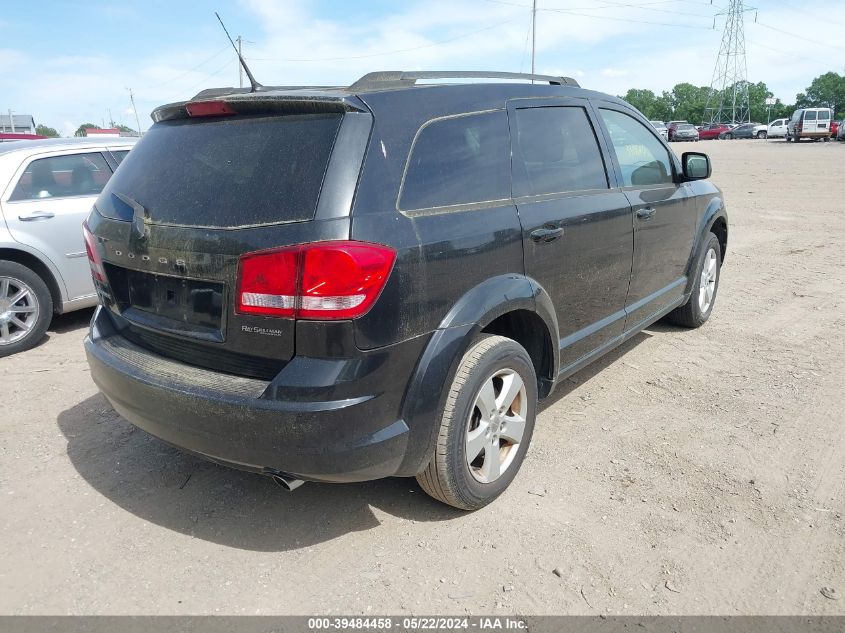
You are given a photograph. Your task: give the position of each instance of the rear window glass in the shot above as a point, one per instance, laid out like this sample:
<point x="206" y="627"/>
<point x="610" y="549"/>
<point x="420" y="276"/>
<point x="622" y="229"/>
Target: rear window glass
<point x="241" y="171"/>
<point x="810" y="115"/>
<point x="824" y="115"/>
<point x="62" y="177"/>
<point x="460" y="160"/>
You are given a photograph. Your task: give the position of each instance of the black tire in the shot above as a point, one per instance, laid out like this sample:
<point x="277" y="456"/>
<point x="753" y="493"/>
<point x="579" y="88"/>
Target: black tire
<point x="448" y="477"/>
<point x="690" y="314"/>
<point x="762" y="134"/>
<point x="15" y="274"/>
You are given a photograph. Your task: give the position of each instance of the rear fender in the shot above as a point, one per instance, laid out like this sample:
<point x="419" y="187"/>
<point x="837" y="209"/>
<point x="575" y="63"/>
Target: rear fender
<point x="428" y="387"/>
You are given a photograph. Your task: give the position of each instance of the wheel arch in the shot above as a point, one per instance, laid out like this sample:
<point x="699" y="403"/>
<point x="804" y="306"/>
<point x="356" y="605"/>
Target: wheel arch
<point x="510" y="305"/>
<point x="714" y="220"/>
<point x="40" y="267"/>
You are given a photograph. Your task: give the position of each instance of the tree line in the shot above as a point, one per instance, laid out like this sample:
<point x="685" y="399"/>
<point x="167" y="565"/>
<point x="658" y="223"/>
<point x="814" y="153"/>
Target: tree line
<point x="687" y="102"/>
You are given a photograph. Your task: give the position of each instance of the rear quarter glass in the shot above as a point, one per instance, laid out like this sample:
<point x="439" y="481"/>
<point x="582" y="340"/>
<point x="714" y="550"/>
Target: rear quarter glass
<point x="225" y="172"/>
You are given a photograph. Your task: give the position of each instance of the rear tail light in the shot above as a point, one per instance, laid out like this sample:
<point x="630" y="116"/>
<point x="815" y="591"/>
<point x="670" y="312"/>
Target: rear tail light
<point x="324" y="280"/>
<point x="94" y="258"/>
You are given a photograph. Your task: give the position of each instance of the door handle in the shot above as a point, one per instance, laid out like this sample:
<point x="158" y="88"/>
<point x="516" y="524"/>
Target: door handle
<point x="546" y="234"/>
<point x="646" y="213"/>
<point x="36" y="216"/>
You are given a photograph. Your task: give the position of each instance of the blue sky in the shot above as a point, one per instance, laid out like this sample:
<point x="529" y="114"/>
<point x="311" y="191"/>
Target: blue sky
<point x="71" y="62"/>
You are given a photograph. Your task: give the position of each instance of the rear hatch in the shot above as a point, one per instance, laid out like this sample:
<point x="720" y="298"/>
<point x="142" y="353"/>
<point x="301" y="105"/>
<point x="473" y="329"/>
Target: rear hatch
<point x="193" y="196"/>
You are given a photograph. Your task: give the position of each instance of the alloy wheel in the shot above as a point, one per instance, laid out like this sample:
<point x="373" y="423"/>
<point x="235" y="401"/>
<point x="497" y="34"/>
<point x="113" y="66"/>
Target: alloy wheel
<point x="707" y="282"/>
<point x="496" y="425"/>
<point x="18" y="310"/>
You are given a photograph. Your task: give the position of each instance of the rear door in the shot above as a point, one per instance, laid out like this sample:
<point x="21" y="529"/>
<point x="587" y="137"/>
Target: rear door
<point x="811" y="123"/>
<point x="665" y="214"/>
<point x="823" y="121"/>
<point x="46" y="203"/>
<point x="577" y="226"/>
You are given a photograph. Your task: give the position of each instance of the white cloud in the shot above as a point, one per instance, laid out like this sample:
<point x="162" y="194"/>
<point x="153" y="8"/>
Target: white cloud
<point x="608" y="50"/>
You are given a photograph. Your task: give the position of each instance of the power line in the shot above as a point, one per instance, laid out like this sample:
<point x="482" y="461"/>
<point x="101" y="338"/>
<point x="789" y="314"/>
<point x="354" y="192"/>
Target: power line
<point x="800" y="37"/>
<point x="191" y="69"/>
<point x="383" y="53"/>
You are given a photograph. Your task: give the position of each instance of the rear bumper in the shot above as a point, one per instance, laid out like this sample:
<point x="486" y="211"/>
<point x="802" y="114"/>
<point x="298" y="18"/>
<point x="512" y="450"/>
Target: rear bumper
<point x="287" y="425"/>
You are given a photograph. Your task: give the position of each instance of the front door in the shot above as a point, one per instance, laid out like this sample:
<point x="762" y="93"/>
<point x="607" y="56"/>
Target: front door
<point x="665" y="216"/>
<point x="46" y="204"/>
<point x="577" y="229"/>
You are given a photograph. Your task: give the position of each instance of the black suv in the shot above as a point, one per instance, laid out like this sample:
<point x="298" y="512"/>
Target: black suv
<point x="342" y="284"/>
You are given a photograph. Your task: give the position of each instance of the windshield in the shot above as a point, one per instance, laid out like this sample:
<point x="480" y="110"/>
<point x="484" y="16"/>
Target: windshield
<point x="225" y="172"/>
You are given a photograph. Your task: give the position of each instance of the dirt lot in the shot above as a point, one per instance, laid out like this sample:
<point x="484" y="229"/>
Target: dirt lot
<point x="687" y="472"/>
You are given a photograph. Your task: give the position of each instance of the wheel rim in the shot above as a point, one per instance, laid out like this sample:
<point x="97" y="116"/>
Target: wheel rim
<point x="496" y="425"/>
<point x="707" y="283"/>
<point x="18" y="310"/>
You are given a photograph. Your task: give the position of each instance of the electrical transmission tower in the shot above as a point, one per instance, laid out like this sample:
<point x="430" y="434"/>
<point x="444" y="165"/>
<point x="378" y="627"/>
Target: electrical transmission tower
<point x="727" y="101"/>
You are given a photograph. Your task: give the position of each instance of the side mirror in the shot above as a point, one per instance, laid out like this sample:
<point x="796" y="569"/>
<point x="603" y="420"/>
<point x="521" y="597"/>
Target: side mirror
<point x="696" y="166"/>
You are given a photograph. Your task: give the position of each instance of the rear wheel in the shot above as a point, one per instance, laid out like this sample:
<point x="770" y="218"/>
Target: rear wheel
<point x="26" y="308"/>
<point x="485" y="427"/>
<point x="699" y="306"/>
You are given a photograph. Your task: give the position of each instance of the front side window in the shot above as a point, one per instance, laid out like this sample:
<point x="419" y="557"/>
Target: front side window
<point x="62" y="177"/>
<point x="459" y="160"/>
<point x="641" y="156"/>
<point x="558" y="147"/>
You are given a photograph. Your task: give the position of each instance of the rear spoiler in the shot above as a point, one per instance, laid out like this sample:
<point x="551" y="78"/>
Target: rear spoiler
<point x="245" y="102"/>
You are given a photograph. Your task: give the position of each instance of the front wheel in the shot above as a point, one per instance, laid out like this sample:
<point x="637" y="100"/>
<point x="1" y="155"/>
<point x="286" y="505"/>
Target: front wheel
<point x="762" y="134"/>
<point x="485" y="427"/>
<point x="699" y="306"/>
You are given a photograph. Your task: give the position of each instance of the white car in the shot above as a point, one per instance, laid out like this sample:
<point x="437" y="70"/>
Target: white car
<point x="660" y="126"/>
<point x="47" y="188"/>
<point x="777" y="128"/>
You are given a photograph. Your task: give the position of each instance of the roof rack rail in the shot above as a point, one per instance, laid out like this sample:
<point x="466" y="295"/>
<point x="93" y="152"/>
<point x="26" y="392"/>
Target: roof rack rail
<point x="384" y="78"/>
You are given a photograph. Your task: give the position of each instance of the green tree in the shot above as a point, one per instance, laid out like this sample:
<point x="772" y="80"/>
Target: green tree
<point x="825" y="91"/>
<point x="43" y="130"/>
<point x="688" y="102"/>
<point x="126" y="130"/>
<point x="80" y="131"/>
<point x="653" y="107"/>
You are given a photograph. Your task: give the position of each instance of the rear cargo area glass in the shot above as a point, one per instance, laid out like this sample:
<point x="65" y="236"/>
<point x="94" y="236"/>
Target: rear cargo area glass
<point x="225" y="172"/>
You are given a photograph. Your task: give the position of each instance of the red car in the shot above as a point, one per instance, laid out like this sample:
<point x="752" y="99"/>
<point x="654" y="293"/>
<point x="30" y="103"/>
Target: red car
<point x="834" y="128"/>
<point x="709" y="132"/>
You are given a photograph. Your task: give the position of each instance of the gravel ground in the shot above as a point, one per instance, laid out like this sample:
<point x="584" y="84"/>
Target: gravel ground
<point x="688" y="472"/>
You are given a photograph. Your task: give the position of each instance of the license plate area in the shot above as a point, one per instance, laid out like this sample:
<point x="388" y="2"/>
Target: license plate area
<point x="176" y="304"/>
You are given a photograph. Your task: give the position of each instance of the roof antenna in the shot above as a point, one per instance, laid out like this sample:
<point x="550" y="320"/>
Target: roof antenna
<point x="256" y="87"/>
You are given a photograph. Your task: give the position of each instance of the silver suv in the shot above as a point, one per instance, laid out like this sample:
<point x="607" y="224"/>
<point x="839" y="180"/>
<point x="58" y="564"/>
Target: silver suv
<point x="47" y="188"/>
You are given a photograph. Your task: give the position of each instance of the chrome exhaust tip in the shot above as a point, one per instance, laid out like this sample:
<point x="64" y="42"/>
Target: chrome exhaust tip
<point x="288" y="483"/>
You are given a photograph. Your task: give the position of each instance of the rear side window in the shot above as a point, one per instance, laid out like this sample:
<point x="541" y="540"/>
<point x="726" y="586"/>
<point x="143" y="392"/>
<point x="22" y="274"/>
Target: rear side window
<point x="558" y="147"/>
<point x="642" y="158"/>
<point x="458" y="160"/>
<point x="119" y="154"/>
<point x="62" y="177"/>
<point x="226" y="173"/>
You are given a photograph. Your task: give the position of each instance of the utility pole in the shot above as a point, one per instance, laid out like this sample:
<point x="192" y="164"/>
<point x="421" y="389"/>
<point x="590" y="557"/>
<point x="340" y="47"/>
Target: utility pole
<point x="111" y="118"/>
<point x="11" y="121"/>
<point x="239" y="39"/>
<point x="135" y="110"/>
<point x="533" y="36"/>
